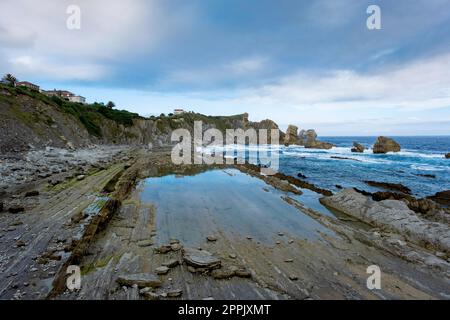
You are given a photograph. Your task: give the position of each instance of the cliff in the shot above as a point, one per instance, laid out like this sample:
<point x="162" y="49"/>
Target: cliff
<point x="31" y="119"/>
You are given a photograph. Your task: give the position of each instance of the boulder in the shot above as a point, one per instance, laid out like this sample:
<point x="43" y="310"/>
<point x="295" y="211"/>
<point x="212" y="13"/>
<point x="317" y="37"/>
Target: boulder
<point x="291" y="135"/>
<point x="357" y="147"/>
<point x="391" y="215"/>
<point x="385" y="145"/>
<point x="162" y="270"/>
<point x="447" y="156"/>
<point x="142" y="280"/>
<point x="174" y="293"/>
<point x="200" y="259"/>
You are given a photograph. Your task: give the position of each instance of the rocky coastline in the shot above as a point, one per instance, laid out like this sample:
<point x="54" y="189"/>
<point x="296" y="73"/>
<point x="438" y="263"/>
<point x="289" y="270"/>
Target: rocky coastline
<point x="77" y="202"/>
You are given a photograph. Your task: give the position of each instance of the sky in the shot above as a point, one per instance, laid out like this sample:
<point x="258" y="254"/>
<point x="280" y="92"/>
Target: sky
<point x="314" y="64"/>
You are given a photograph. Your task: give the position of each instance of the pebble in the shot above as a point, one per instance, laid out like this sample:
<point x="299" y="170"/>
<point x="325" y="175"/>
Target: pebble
<point x="211" y="238"/>
<point x="162" y="270"/>
<point x="20" y="244"/>
<point x="145" y="243"/>
<point x="174" y="293"/>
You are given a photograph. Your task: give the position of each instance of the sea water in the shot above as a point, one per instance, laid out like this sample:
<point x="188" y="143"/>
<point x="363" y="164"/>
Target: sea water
<point x="419" y="156"/>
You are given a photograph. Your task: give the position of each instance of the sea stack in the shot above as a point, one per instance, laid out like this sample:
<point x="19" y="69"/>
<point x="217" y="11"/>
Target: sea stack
<point x="385" y="145"/>
<point x="291" y="135"/>
<point x="357" y="147"/>
<point x="308" y="138"/>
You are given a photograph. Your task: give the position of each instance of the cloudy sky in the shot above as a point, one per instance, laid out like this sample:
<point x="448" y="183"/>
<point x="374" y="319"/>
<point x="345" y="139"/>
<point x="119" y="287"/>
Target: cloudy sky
<point x="310" y="63"/>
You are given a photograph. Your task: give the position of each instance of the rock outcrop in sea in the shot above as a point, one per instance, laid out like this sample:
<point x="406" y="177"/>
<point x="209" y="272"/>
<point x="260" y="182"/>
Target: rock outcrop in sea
<point x="447" y="156"/>
<point x="291" y="136"/>
<point x="308" y="138"/>
<point x="357" y="147"/>
<point x="385" y="145"/>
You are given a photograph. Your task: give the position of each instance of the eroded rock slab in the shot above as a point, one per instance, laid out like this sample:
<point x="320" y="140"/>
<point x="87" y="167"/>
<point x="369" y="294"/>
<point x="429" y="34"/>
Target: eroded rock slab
<point x="392" y="214"/>
<point x="200" y="259"/>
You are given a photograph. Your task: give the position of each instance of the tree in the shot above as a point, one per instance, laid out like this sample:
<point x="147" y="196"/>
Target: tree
<point x="10" y="79"/>
<point x="110" y="105"/>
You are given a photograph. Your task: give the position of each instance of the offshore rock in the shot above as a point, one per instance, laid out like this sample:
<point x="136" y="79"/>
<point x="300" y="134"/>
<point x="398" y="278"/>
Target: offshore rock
<point x="357" y="147"/>
<point x="385" y="145"/>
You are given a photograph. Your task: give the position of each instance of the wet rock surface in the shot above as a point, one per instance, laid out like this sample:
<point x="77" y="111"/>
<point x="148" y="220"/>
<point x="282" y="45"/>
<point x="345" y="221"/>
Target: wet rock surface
<point x="121" y="261"/>
<point x="200" y="259"/>
<point x="357" y="147"/>
<point x="391" y="214"/>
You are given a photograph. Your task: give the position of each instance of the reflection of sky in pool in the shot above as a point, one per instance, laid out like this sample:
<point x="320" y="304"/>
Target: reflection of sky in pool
<point x="191" y="207"/>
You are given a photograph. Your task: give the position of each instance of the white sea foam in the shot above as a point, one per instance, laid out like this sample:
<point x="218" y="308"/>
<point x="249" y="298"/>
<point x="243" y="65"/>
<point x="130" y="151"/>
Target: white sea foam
<point x="299" y="151"/>
<point x="429" y="167"/>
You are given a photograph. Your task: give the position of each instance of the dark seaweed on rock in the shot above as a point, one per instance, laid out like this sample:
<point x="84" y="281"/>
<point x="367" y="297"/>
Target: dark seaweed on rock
<point x="292" y="180"/>
<point x="389" y="186"/>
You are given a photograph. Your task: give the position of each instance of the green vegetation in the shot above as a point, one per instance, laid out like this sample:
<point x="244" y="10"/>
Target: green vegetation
<point x="9" y="79"/>
<point x="165" y="122"/>
<point x="90" y="115"/>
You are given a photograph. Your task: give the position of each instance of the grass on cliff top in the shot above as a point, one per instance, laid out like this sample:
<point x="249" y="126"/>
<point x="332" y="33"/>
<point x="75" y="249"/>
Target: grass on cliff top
<point x="90" y="115"/>
<point x="163" y="122"/>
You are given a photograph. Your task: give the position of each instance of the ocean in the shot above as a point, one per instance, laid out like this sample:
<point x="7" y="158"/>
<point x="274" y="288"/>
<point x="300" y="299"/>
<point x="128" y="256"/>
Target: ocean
<point x="419" y="156"/>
